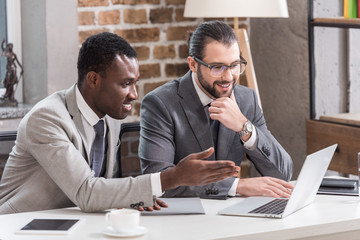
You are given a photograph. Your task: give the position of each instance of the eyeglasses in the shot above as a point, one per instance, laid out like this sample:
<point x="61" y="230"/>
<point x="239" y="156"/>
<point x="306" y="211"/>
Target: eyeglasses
<point x="218" y="70"/>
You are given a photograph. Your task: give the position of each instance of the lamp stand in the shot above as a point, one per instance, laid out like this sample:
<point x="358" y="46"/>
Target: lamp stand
<point x="244" y="45"/>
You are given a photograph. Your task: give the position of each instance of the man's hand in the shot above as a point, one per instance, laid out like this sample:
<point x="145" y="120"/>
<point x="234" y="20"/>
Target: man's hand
<point x="157" y="206"/>
<point x="226" y="111"/>
<point x="193" y="171"/>
<point x="264" y="186"/>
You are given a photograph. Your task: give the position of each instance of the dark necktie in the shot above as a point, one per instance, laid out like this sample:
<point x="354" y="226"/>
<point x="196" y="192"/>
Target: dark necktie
<point x="98" y="148"/>
<point x="214" y="127"/>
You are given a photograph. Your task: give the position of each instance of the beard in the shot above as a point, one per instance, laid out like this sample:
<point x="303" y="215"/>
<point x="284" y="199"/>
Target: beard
<point x="212" y="89"/>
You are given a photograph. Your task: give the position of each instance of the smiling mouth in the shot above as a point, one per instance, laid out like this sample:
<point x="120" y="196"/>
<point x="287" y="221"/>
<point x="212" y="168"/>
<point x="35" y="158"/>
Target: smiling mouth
<point x="127" y="106"/>
<point x="225" y="85"/>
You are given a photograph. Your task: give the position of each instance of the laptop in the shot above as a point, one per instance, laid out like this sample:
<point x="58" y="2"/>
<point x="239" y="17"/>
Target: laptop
<point x="304" y="192"/>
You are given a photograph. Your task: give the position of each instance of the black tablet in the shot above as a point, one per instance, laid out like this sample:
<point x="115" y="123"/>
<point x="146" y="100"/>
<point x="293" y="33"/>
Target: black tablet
<point x="50" y="226"/>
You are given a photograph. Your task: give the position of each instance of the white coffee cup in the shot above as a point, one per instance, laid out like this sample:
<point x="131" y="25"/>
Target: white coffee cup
<point x="124" y="220"/>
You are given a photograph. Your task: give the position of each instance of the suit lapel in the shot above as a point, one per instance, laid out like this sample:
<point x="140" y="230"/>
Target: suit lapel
<point x="113" y="128"/>
<point x="76" y="116"/>
<point x="194" y="112"/>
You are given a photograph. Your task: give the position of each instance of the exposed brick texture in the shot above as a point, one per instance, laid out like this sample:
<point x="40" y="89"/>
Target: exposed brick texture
<point x="178" y="33"/>
<point x="86" y="18"/>
<point x="148" y="87"/>
<point x="161" y="52"/>
<point x="135" y="16"/>
<point x="85" y="34"/>
<point x="140" y="34"/>
<point x="183" y="51"/>
<point x="136" y="109"/>
<point x="143" y="52"/>
<point x="149" y="70"/>
<point x="175" y="2"/>
<point x="135" y="2"/>
<point x="161" y="15"/>
<point x="109" y="17"/>
<point x="177" y="69"/>
<point x="92" y="3"/>
<point x="156" y="29"/>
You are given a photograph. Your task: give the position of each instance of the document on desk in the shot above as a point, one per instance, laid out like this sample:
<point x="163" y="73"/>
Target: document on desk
<point x="179" y="206"/>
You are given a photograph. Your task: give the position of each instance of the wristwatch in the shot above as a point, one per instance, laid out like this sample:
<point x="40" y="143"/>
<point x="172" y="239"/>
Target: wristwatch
<point x="248" y="128"/>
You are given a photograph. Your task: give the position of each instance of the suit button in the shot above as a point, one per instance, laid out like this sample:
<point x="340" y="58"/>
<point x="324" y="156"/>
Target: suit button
<point x="266" y="150"/>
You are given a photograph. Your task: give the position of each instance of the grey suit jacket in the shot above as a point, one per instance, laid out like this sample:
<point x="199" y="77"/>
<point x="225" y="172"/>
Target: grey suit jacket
<point x="49" y="165"/>
<point x="174" y="124"/>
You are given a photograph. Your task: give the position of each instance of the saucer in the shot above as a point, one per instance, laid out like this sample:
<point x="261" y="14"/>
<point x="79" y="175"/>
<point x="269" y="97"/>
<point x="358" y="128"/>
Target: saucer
<point x="110" y="231"/>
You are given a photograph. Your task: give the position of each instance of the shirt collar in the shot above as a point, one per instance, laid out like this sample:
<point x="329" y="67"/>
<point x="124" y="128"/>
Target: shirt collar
<point x="205" y="99"/>
<point x="89" y="115"/>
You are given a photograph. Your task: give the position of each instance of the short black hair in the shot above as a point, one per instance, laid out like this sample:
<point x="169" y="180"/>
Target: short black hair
<point x="99" y="51"/>
<point x="207" y="32"/>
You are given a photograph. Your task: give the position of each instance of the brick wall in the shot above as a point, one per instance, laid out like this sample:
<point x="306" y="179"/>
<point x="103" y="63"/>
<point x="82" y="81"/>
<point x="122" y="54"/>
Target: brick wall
<point x="155" y="28"/>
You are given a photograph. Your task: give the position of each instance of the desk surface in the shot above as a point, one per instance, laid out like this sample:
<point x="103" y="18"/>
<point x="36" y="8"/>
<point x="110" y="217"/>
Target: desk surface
<point x="335" y="215"/>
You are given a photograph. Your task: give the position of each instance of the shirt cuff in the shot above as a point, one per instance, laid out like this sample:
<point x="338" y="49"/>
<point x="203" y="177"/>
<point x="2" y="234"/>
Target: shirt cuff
<point x="156" y="184"/>
<point x="232" y="190"/>
<point x="251" y="143"/>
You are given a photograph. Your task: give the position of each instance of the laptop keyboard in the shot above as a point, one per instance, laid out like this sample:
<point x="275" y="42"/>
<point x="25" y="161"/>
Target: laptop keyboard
<point x="276" y="206"/>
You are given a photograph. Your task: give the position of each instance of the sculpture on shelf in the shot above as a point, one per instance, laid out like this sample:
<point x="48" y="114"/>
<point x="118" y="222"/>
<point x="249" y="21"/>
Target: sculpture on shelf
<point x="11" y="79"/>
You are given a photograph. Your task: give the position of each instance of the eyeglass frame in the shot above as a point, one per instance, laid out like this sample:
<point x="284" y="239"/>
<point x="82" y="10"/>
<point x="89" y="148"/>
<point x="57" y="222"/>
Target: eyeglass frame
<point x="242" y="61"/>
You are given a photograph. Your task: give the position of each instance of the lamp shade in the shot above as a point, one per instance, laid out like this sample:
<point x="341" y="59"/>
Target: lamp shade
<point x="236" y="8"/>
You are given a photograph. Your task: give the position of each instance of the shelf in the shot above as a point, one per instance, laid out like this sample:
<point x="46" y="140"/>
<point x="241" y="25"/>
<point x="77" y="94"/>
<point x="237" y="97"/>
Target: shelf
<point x="342" y="128"/>
<point x="337" y="22"/>
<point x="344" y="118"/>
<point x="355" y="21"/>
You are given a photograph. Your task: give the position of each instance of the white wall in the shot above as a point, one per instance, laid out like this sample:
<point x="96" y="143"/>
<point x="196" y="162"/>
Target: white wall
<point x="280" y="51"/>
<point x="50" y="46"/>
<point x="337" y="63"/>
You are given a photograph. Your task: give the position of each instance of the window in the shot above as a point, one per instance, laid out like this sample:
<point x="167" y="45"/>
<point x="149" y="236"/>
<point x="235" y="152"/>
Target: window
<point x="3" y="34"/>
<point x="10" y="29"/>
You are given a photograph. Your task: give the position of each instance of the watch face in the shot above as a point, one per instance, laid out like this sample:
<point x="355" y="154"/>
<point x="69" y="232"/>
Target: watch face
<point x="249" y="127"/>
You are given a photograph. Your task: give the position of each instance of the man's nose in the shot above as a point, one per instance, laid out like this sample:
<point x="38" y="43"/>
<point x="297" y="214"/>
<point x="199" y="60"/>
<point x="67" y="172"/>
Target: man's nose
<point x="227" y="74"/>
<point x="133" y="95"/>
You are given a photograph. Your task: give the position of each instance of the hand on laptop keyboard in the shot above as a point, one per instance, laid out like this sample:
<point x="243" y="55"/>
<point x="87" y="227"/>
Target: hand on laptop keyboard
<point x="264" y="186"/>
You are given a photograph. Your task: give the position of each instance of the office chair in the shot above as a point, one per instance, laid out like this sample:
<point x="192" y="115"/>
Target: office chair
<point x="7" y="141"/>
<point x="128" y="151"/>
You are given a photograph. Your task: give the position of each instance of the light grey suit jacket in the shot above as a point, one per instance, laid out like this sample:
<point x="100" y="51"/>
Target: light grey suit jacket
<point x="174" y="124"/>
<point x="49" y="165"/>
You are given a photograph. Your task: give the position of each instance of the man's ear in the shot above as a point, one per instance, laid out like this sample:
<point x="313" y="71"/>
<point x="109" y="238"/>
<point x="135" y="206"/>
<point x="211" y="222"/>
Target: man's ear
<point x="192" y="64"/>
<point x="92" y="79"/>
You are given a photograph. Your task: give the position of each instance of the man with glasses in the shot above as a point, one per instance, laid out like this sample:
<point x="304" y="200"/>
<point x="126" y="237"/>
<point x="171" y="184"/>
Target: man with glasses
<point x="207" y="108"/>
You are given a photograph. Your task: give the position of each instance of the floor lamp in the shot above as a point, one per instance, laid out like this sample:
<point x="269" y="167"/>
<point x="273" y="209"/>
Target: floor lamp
<point x="235" y="9"/>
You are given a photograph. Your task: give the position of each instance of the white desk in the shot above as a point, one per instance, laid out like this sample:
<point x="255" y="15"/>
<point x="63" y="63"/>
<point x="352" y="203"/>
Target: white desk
<point x="329" y="217"/>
